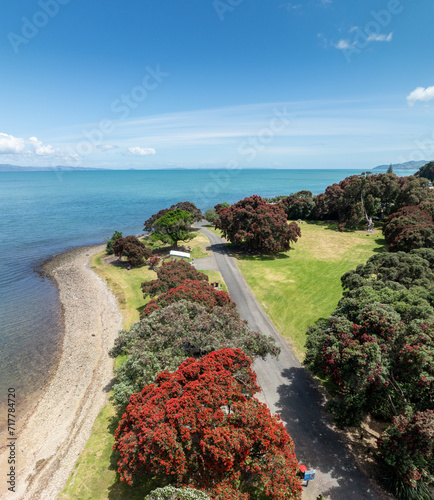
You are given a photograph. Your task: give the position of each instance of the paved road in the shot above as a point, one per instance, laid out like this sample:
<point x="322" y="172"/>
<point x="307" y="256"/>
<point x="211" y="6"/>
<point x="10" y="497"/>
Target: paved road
<point x="289" y="391"/>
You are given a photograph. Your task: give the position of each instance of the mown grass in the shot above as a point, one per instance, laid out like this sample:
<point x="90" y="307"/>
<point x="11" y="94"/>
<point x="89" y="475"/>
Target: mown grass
<point x="95" y="476"/>
<point x="298" y="287"/>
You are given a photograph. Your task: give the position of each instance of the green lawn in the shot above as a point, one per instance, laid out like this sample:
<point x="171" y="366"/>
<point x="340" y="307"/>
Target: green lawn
<point x="298" y="287"/>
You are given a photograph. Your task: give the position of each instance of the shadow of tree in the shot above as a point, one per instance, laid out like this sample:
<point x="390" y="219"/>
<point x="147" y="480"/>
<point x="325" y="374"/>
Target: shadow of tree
<point x="317" y="444"/>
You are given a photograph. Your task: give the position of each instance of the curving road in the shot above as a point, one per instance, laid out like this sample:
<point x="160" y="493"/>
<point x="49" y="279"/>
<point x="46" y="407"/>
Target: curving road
<point x="290" y="391"/>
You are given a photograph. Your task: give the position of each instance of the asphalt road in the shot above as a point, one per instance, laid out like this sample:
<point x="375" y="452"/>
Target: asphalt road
<point x="289" y="391"/>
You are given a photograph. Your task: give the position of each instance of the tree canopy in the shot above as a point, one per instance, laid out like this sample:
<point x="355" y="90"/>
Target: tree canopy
<point x="201" y="427"/>
<point x="173" y="226"/>
<point x="192" y="291"/>
<point x="298" y="205"/>
<point x="426" y="171"/>
<point x="163" y="340"/>
<point x="410" y="227"/>
<point x="170" y="275"/>
<point x="257" y="225"/>
<point x="183" y="205"/>
<point x="110" y="242"/>
<point x="133" y="249"/>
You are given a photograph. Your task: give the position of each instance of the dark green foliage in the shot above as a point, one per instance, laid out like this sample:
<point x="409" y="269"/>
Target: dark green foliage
<point x="170" y="275"/>
<point x="110" y="242"/>
<point x="257" y="225"/>
<point x="173" y="226"/>
<point x="410" y="227"/>
<point x="164" y="339"/>
<point x="133" y="249"/>
<point x="426" y="171"/>
<point x="298" y="205"/>
<point x="378" y="346"/>
<point x="211" y="215"/>
<point x="407" y="448"/>
<point x="183" y="205"/>
<point x="366" y="197"/>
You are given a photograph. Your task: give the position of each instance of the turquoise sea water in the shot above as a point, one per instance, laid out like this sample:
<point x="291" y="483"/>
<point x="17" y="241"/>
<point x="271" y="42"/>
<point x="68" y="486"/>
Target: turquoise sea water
<point x="46" y="213"/>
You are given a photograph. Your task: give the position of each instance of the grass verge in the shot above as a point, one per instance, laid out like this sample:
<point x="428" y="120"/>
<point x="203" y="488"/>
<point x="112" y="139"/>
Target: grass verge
<point x="95" y="476"/>
<point x="298" y="287"/>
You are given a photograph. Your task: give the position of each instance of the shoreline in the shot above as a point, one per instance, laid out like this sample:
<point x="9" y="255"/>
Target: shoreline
<point x="50" y="438"/>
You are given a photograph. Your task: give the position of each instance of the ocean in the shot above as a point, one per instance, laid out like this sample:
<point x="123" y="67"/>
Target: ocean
<point x="45" y="213"/>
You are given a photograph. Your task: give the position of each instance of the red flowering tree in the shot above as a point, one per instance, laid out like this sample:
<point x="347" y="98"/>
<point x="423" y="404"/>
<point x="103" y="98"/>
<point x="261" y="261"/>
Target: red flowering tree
<point x="201" y="427"/>
<point x="192" y="291"/>
<point x="407" y="448"/>
<point x="410" y="227"/>
<point x="170" y="275"/>
<point x="133" y="249"/>
<point x="258" y="225"/>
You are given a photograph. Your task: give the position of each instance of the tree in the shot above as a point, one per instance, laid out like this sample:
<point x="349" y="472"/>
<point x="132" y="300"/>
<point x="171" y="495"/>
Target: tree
<point x="257" y="225"/>
<point x="163" y="340"/>
<point x="170" y="275"/>
<point x="202" y="427"/>
<point x="173" y="226"/>
<point x="365" y="197"/>
<point x="211" y="215"/>
<point x="192" y="291"/>
<point x="133" y="249"/>
<point x="390" y="169"/>
<point x="407" y="448"/>
<point x="298" y="205"/>
<point x="110" y="242"/>
<point x="426" y="171"/>
<point x="172" y="493"/>
<point x="410" y="227"/>
<point x="183" y="205"/>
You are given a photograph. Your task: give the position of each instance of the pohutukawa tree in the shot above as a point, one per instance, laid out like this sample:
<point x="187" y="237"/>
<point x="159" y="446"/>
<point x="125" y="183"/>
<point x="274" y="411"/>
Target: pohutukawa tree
<point x="163" y="340"/>
<point x="192" y="291"/>
<point x="133" y="249"/>
<point x="201" y="427"/>
<point x="257" y="225"/>
<point x="298" y="205"/>
<point x="183" y="205"/>
<point x="170" y="275"/>
<point x="410" y="227"/>
<point x="426" y="171"/>
<point x="172" y="227"/>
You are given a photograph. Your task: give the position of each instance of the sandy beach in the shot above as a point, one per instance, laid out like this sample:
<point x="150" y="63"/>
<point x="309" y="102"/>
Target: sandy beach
<point x="50" y="440"/>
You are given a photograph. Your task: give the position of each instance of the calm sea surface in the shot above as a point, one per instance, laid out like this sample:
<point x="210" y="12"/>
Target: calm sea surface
<point x="46" y="213"/>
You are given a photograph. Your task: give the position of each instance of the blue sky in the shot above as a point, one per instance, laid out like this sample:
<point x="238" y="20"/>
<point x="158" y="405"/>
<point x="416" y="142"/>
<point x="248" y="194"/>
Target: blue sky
<point x="212" y="83"/>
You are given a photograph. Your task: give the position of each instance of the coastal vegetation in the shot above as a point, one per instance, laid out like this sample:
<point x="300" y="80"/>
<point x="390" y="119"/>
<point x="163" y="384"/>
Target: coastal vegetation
<point x="256" y="225"/>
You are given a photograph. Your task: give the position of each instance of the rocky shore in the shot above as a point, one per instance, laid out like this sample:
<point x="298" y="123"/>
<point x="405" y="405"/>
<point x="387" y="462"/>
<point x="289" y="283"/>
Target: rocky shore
<point x="50" y="440"/>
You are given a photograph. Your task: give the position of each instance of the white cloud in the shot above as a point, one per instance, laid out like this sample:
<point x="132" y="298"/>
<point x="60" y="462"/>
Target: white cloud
<point x="107" y="147"/>
<point x="373" y="37"/>
<point x="11" y="145"/>
<point x="138" y="151"/>
<point x="343" y="44"/>
<point x="41" y="149"/>
<point x="420" y="94"/>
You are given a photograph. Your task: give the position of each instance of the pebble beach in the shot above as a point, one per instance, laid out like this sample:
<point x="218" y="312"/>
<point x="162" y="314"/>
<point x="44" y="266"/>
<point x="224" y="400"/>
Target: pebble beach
<point x="50" y="439"/>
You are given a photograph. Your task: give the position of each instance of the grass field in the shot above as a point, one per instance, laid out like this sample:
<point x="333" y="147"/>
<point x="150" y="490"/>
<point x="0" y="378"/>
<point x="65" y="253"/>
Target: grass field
<point x="94" y="476"/>
<point x="298" y="287"/>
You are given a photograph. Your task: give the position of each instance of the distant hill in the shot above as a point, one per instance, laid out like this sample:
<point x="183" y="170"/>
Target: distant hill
<point x="409" y="165"/>
<point x="4" y="167"/>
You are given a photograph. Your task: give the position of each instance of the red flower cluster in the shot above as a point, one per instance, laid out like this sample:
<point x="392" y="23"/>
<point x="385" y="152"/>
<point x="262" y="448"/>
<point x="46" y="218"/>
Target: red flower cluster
<point x="201" y="426"/>
<point x="192" y="291"/>
<point x="170" y="275"/>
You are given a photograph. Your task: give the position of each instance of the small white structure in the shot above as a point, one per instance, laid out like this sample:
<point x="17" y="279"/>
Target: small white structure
<point x="182" y="255"/>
